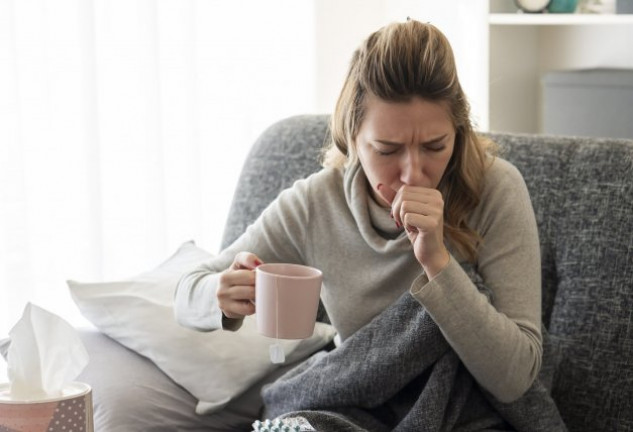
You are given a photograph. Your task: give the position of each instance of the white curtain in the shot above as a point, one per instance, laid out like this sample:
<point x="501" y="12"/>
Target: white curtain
<point x="123" y="124"/>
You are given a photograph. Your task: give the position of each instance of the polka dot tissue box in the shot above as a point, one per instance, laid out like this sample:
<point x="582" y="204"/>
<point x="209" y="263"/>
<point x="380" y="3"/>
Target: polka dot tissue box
<point x="71" y="412"/>
<point x="44" y="355"/>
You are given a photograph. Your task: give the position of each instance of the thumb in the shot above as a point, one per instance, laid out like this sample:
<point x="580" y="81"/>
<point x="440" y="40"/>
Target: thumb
<point x="386" y="193"/>
<point x="246" y="261"/>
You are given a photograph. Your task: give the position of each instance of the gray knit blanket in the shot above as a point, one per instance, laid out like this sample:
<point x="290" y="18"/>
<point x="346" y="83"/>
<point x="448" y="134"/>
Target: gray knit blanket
<point x="398" y="373"/>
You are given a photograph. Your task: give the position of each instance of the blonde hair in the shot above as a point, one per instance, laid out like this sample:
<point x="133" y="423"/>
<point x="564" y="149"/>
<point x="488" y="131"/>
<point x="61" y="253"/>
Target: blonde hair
<point x="396" y="63"/>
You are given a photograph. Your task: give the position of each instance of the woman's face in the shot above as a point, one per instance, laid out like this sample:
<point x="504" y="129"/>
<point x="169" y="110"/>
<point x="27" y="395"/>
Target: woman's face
<point x="404" y="143"/>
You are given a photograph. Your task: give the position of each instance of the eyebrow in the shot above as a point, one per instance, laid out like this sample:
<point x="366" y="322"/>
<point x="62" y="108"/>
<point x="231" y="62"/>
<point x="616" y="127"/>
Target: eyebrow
<point x="393" y="143"/>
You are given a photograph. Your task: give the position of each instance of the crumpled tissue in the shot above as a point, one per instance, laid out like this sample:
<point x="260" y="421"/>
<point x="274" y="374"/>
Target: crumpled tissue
<point x="45" y="355"/>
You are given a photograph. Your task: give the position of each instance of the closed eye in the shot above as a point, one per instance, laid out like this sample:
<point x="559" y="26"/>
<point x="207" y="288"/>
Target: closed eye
<point x="383" y="152"/>
<point x="386" y="148"/>
<point x="435" y="148"/>
<point x="436" y="145"/>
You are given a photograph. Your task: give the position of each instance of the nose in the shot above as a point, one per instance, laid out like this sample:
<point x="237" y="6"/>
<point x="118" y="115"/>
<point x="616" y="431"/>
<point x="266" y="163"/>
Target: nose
<point x="412" y="169"/>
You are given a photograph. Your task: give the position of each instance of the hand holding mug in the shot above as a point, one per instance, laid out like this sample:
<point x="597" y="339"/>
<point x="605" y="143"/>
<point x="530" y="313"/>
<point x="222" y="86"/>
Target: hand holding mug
<point x="236" y="291"/>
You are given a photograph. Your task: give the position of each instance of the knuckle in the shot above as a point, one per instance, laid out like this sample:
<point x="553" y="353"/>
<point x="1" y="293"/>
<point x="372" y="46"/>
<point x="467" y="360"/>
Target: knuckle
<point x="249" y="308"/>
<point x="222" y="300"/>
<point x="241" y="258"/>
<point x="406" y="206"/>
<point x="223" y="279"/>
<point x="222" y="296"/>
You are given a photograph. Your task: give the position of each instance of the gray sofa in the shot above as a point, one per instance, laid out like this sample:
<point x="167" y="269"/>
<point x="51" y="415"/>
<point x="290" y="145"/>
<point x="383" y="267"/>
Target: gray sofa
<point x="582" y="192"/>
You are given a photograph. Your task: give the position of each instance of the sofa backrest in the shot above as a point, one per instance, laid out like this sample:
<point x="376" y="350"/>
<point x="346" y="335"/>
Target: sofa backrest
<point x="582" y="193"/>
<point x="285" y="152"/>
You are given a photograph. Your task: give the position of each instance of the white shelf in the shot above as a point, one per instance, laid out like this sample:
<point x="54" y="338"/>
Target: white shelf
<point x="544" y="19"/>
<point x="524" y="46"/>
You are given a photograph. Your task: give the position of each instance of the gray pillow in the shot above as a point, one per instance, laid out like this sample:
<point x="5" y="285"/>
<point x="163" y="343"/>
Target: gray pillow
<point x="131" y="394"/>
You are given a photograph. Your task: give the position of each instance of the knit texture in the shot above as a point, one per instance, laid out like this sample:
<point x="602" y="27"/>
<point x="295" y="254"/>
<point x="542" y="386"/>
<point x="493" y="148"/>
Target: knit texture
<point x="398" y="373"/>
<point x="582" y="193"/>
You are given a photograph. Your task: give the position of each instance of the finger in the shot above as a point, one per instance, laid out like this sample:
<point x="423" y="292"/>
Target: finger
<point x="422" y="194"/>
<point x="409" y="199"/>
<point x="389" y="195"/>
<point x="239" y="309"/>
<point x="421" y="208"/>
<point x="246" y="261"/>
<point x="415" y="222"/>
<point x="232" y="299"/>
<point x="240" y="293"/>
<point x="397" y="211"/>
<point x="420" y="200"/>
<point x="386" y="193"/>
<point x="233" y="278"/>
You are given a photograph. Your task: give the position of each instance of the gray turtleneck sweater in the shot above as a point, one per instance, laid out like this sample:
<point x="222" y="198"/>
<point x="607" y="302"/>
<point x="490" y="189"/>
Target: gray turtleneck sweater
<point x="329" y="221"/>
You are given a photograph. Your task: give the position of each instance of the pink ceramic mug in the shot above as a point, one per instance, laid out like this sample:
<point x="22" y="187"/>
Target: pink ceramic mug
<point x="287" y="300"/>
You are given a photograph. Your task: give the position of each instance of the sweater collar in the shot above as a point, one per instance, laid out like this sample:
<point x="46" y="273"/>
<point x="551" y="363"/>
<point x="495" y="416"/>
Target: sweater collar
<point x="375" y="225"/>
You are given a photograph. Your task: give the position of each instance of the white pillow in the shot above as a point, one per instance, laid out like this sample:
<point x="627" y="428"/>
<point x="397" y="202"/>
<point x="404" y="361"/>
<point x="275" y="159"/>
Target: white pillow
<point x="215" y="366"/>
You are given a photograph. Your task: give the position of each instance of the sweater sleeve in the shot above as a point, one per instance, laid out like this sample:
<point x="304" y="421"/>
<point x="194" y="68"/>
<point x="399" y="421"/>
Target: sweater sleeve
<point x="276" y="236"/>
<point x="500" y="341"/>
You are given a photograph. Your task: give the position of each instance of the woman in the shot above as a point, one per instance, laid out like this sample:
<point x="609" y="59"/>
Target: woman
<point x="409" y="196"/>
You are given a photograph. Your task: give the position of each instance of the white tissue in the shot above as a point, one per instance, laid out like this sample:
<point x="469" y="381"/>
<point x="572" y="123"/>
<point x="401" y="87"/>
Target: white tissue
<point x="45" y="355"/>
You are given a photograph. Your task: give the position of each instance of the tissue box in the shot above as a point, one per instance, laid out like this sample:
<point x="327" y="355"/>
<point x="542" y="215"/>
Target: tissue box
<point x="70" y="412"/>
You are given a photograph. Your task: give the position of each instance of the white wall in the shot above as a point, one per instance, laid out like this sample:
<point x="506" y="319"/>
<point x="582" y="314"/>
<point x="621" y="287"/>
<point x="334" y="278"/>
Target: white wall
<point x="342" y="25"/>
<point x="513" y="81"/>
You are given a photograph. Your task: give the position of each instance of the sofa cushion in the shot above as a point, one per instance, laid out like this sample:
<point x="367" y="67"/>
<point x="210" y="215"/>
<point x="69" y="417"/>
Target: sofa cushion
<point x="582" y="192"/>
<point x="594" y="259"/>
<point x="215" y="367"/>
<point x="131" y="394"/>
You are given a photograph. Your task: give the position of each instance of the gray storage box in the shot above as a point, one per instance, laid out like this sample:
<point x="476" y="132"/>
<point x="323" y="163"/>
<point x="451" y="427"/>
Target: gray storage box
<point x="624" y="6"/>
<point x="595" y="102"/>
